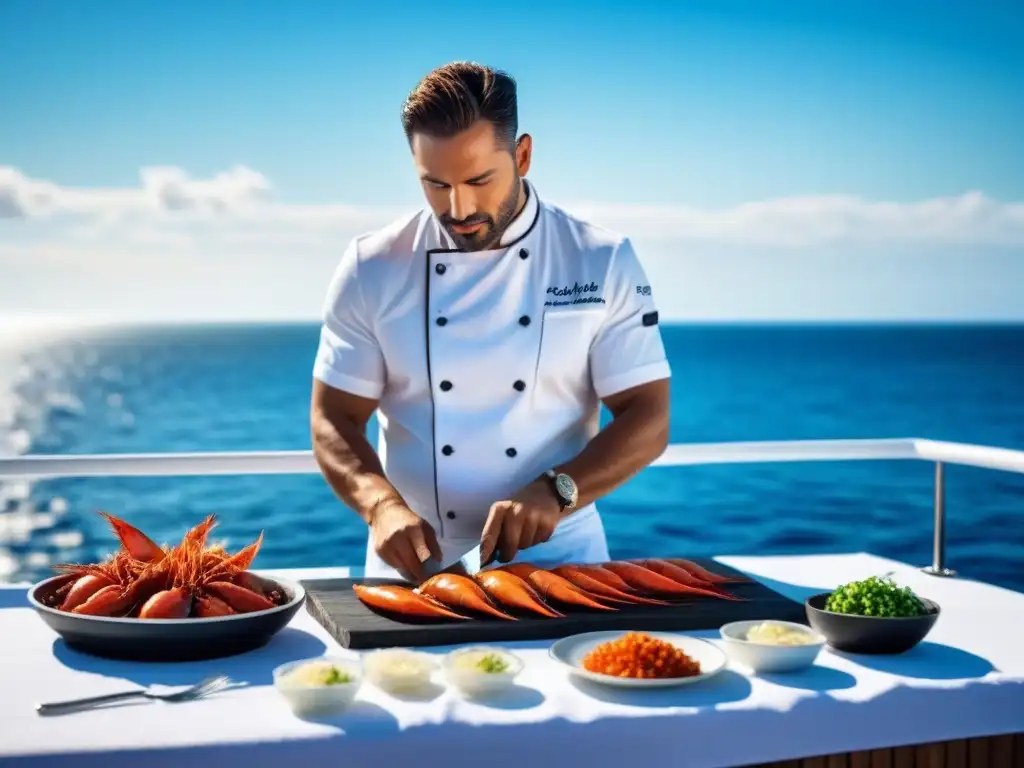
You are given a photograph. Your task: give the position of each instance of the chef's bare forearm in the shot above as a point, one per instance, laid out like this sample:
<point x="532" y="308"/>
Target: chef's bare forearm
<point x="637" y="434"/>
<point x="348" y="462"/>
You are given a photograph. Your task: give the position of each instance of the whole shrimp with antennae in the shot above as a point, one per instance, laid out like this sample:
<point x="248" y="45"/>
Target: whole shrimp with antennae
<point x="147" y="580"/>
<point x="201" y="580"/>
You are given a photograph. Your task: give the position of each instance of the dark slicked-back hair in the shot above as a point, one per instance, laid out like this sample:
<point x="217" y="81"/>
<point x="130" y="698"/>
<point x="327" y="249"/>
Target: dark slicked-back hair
<point x="453" y="97"/>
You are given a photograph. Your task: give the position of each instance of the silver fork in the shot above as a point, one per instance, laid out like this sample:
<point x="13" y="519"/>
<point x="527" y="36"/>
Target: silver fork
<point x="197" y="691"/>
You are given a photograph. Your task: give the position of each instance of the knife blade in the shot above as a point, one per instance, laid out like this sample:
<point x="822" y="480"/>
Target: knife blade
<point x="470" y="557"/>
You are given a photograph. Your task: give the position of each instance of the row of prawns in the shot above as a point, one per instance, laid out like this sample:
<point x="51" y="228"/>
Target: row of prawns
<point x="535" y="591"/>
<point x="147" y="581"/>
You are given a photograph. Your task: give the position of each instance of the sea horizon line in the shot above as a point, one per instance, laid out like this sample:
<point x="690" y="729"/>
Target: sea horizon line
<point x="70" y="323"/>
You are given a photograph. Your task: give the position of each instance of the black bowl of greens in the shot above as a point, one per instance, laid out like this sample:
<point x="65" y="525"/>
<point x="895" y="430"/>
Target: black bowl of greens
<point x="873" y="616"/>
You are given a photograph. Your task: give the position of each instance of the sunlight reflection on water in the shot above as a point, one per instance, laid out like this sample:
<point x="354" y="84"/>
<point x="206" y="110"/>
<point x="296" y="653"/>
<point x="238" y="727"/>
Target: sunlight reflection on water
<point x="247" y="388"/>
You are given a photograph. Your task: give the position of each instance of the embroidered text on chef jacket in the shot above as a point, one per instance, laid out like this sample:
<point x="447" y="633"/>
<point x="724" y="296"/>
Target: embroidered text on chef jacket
<point x="488" y="365"/>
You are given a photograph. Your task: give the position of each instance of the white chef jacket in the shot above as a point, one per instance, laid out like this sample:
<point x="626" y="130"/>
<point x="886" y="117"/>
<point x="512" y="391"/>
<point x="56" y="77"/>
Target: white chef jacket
<point x="489" y="365"/>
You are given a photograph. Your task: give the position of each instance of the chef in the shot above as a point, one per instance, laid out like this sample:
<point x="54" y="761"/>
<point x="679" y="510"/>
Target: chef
<point x="486" y="330"/>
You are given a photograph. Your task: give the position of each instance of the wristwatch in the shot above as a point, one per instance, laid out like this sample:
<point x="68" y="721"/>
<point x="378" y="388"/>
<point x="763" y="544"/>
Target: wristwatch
<point x="565" y="488"/>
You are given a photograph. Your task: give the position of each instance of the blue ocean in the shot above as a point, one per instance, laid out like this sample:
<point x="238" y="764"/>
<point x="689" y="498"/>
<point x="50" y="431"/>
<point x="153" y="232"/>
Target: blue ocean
<point x="246" y="387"/>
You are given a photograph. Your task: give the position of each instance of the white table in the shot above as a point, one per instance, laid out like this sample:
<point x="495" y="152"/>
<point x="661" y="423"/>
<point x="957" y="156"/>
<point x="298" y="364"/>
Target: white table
<point x="966" y="680"/>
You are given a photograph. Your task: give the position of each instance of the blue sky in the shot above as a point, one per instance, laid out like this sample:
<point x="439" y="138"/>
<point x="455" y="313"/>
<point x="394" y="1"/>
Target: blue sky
<point x="842" y="120"/>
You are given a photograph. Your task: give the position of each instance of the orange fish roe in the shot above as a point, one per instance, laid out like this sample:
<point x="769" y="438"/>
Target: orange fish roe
<point x="637" y="654"/>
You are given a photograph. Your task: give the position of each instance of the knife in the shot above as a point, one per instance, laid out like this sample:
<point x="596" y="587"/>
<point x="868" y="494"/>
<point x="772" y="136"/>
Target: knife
<point x="471" y="554"/>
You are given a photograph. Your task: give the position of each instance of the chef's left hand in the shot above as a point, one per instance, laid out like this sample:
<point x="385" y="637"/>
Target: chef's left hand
<point x="528" y="518"/>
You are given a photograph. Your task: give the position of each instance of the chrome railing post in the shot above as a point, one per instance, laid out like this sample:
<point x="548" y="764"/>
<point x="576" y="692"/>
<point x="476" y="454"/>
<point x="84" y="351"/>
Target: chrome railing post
<point x="938" y="566"/>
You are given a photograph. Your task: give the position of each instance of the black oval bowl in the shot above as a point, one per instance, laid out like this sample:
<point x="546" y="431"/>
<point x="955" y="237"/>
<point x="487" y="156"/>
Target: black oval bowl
<point x="166" y="639"/>
<point x="869" y="634"/>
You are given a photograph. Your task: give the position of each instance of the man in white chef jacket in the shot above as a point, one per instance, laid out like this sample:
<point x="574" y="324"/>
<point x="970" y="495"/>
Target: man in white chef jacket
<point x="486" y="329"/>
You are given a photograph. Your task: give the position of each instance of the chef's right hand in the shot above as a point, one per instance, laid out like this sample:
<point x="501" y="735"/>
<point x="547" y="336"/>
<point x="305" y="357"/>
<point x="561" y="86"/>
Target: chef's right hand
<point x="403" y="539"/>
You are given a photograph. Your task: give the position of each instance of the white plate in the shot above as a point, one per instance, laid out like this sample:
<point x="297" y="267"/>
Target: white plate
<point x="570" y="651"/>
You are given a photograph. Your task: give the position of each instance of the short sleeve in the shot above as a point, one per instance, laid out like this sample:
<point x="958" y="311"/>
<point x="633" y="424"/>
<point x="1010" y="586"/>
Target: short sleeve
<point x="628" y="350"/>
<point x="349" y="357"/>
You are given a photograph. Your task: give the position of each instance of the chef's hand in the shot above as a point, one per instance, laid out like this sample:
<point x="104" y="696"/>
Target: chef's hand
<point x="528" y="518"/>
<point x="403" y="539"/>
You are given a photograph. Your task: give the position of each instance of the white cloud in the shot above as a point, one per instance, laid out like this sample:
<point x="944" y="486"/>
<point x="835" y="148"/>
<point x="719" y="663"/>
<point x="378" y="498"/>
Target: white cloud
<point x="161" y="189"/>
<point x="168" y="198"/>
<point x="177" y="248"/>
<point x="170" y="207"/>
<point x="970" y="218"/>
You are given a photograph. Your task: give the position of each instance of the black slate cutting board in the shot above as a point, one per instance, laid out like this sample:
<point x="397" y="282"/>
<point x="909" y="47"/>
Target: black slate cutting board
<point x="334" y="604"/>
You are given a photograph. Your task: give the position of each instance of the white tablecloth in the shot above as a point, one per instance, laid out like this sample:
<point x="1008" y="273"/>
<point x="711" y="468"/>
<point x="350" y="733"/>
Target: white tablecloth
<point x="965" y="680"/>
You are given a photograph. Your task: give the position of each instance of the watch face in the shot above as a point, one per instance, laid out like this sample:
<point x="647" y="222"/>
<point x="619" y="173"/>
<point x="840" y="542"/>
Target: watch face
<point x="566" y="487"/>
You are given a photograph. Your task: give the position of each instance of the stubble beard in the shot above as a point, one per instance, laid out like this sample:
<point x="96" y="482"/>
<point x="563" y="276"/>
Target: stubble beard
<point x="495" y="229"/>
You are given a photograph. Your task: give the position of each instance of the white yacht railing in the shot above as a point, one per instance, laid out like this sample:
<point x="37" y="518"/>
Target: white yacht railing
<point x="678" y="454"/>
